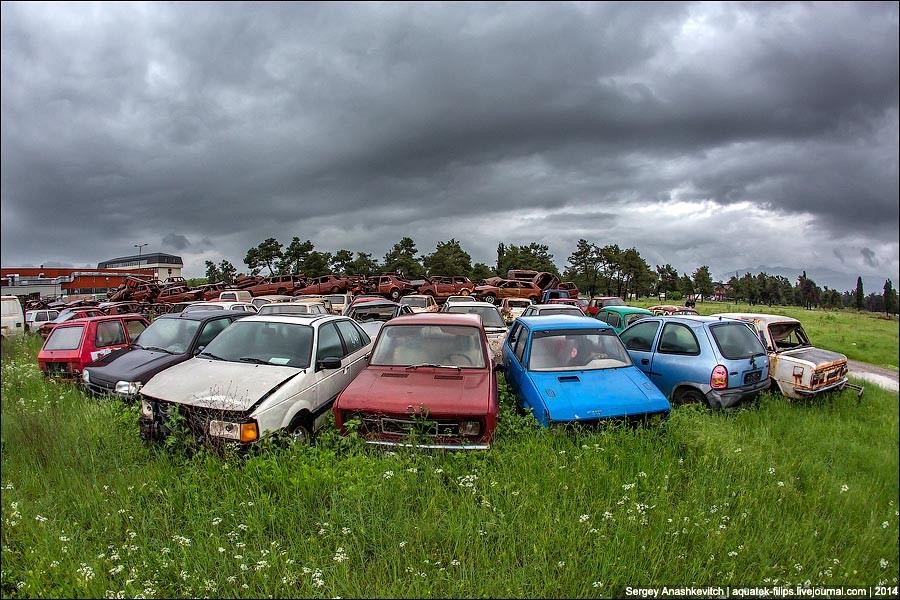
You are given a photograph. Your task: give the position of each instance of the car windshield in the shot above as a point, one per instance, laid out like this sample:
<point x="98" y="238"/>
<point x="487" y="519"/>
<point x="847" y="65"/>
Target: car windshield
<point x="417" y="302"/>
<point x="490" y="316"/>
<point x="362" y="313"/>
<point x="429" y="345"/>
<point x="286" y="344"/>
<point x="170" y="335"/>
<point x="577" y="350"/>
<point x="336" y="299"/>
<point x="788" y="335"/>
<point x="736" y="340"/>
<point x="64" y="338"/>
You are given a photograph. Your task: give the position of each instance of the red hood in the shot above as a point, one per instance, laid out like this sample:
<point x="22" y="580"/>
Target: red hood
<point x="443" y="392"/>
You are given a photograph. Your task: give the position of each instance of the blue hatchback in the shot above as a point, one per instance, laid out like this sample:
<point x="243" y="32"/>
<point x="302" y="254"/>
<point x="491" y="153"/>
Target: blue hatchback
<point x="716" y="361"/>
<point x="575" y="369"/>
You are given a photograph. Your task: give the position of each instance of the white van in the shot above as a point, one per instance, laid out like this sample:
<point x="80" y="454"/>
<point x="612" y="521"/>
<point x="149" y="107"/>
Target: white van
<point x="235" y="296"/>
<point x="13" y="317"/>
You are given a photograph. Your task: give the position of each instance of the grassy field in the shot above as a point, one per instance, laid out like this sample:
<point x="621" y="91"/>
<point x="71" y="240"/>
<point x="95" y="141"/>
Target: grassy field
<point x="863" y="336"/>
<point x="778" y="494"/>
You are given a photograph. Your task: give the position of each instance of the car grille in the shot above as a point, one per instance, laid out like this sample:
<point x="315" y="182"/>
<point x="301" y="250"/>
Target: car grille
<point x="752" y="377"/>
<point x="197" y="419"/>
<point x="372" y="424"/>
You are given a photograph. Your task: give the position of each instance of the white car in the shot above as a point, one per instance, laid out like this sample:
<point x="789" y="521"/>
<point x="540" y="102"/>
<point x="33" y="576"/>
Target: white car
<point x="460" y="299"/>
<point x="13" y="317"/>
<point x="420" y="303"/>
<point x="293" y="308"/>
<point x="261" y="374"/>
<point x="494" y="325"/>
<point x="220" y="305"/>
<point x="552" y="309"/>
<point x="35" y="318"/>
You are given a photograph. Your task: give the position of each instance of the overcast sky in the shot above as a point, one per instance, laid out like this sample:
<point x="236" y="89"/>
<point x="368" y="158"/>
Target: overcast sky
<point x="729" y="135"/>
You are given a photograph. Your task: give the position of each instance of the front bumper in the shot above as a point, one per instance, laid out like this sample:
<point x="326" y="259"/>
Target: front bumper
<point x="431" y="446"/>
<point x="734" y="396"/>
<point x="831" y="387"/>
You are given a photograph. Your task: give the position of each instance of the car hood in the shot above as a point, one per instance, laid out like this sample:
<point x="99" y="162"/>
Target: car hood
<point x="218" y="384"/>
<point x="440" y="391"/>
<point x="133" y="365"/>
<point x="814" y="356"/>
<point x="576" y="395"/>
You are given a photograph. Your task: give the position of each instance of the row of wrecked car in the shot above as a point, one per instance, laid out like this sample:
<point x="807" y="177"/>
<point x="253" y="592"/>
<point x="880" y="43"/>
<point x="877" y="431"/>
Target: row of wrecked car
<point x="429" y="378"/>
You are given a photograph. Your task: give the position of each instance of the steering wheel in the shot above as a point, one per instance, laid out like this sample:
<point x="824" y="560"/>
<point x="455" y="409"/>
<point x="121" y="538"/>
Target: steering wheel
<point x="464" y="362"/>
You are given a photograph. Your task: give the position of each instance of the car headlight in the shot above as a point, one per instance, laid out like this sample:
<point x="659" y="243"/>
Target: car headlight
<point x="242" y="432"/>
<point x="86" y="376"/>
<point x="146" y="409"/>
<point x="470" y="428"/>
<point x="128" y="388"/>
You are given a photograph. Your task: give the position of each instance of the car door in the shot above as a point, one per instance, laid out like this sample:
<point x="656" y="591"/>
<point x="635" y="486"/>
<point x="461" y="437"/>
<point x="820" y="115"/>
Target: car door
<point x="676" y="358"/>
<point x="639" y="340"/>
<point x="329" y="382"/>
<point x="513" y="357"/>
<point x="356" y="347"/>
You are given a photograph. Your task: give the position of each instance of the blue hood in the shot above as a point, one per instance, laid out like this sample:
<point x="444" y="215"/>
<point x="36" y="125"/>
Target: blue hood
<point x="598" y="394"/>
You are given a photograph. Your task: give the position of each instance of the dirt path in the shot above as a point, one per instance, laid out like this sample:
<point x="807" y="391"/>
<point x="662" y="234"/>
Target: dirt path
<point x="880" y="376"/>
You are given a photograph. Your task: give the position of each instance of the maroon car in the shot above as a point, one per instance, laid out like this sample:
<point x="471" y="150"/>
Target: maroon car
<point x="430" y="383"/>
<point x="441" y="287"/>
<point x="326" y="284"/>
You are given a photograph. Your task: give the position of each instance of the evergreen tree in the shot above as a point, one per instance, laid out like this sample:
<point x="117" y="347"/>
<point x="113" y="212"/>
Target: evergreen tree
<point x="859" y="293"/>
<point x="448" y="259"/>
<point x="890" y="298"/>
<point x="402" y="259"/>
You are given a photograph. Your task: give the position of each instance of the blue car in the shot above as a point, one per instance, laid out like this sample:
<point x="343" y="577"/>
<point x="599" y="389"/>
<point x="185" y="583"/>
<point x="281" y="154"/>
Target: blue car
<point x="575" y="369"/>
<point x="693" y="359"/>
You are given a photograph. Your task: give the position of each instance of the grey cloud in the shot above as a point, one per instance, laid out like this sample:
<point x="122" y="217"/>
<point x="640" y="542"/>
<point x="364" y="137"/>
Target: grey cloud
<point x="869" y="257"/>
<point x="231" y="123"/>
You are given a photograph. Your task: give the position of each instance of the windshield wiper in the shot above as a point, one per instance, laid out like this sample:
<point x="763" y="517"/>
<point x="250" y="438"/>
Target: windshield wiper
<point x="434" y="366"/>
<point x="157" y="349"/>
<point x="254" y="360"/>
<point x="211" y="355"/>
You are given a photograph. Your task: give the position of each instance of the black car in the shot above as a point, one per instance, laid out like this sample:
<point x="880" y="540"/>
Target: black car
<point x="169" y="340"/>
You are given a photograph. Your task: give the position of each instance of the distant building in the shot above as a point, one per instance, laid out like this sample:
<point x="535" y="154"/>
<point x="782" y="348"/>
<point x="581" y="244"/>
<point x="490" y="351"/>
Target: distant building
<point x="68" y="283"/>
<point x="163" y="265"/>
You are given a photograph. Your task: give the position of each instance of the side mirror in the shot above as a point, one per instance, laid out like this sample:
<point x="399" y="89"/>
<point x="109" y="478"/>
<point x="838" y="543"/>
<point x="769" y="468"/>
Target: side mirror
<point x="330" y="362"/>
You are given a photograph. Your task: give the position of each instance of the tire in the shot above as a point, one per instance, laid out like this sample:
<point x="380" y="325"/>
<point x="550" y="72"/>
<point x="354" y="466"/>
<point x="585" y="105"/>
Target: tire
<point x="335" y="290"/>
<point x="299" y="431"/>
<point x="690" y="396"/>
<point x="395" y="294"/>
<point x="490" y="298"/>
<point x="464" y="292"/>
<point x="535" y="299"/>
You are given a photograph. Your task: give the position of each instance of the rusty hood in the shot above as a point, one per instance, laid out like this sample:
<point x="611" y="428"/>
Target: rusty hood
<point x="217" y="384"/>
<point x="815" y="356"/>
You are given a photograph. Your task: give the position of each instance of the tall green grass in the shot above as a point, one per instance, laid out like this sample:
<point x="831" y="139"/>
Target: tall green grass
<point x="863" y="336"/>
<point x="777" y="494"/>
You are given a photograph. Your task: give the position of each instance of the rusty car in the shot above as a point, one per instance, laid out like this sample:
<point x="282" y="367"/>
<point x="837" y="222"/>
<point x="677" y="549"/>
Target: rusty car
<point x="797" y="368"/>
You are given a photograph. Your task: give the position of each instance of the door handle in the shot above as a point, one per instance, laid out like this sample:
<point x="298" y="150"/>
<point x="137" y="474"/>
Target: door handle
<point x="645" y="361"/>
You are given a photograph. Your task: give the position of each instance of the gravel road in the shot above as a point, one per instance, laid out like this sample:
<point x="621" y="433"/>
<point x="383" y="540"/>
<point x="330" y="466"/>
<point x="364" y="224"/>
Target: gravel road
<point x="880" y="376"/>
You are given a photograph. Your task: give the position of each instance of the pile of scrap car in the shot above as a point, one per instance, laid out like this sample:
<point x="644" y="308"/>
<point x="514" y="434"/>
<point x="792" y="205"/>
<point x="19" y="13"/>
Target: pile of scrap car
<point x="416" y="363"/>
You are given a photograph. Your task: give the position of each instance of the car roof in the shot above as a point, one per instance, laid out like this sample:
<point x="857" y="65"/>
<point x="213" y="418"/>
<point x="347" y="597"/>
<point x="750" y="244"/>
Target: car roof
<point x="758" y="317"/>
<point x="554" y="306"/>
<point x="690" y="320"/>
<point x="477" y="303"/>
<point x="199" y="315"/>
<point x="627" y="309"/>
<point x="311" y="319"/>
<point x="99" y="318"/>
<point x="563" y="322"/>
<point x="436" y="318"/>
<point x="376" y="302"/>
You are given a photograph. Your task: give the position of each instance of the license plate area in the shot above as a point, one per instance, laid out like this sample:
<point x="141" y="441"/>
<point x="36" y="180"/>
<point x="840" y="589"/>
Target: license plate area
<point x="752" y="377"/>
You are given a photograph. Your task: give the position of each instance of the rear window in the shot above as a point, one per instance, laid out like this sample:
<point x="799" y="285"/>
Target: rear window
<point x="64" y="338"/>
<point x="736" y="340"/>
<point x="11" y="307"/>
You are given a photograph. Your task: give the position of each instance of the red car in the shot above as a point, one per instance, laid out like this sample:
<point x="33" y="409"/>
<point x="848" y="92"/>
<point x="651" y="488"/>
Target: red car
<point x="73" y="345"/>
<point x="430" y="383"/>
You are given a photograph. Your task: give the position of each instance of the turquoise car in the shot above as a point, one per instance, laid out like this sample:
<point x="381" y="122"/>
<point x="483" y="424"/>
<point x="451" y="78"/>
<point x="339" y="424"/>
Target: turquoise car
<point x="620" y="317"/>
<point x="575" y="369"/>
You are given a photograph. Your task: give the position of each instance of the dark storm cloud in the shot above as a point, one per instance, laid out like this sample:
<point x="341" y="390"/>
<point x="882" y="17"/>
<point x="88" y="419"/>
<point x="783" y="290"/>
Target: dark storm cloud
<point x="231" y="123"/>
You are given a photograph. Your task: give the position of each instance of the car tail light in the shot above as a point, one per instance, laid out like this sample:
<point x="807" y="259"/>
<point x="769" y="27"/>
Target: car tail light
<point x="719" y="379"/>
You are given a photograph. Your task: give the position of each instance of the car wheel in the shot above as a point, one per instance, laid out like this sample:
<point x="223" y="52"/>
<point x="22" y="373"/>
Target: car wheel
<point x="464" y="292"/>
<point x="335" y="290"/>
<point x="534" y="299"/>
<point x="690" y="396"/>
<point x="395" y="294"/>
<point x="490" y="298"/>
<point x="300" y="432"/>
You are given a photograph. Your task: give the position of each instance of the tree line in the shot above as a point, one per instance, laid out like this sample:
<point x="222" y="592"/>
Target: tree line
<point x="595" y="269"/>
